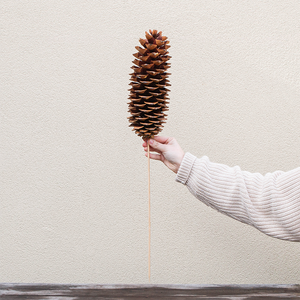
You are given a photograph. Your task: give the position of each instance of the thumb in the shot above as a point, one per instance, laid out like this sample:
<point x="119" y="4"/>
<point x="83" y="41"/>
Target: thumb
<point x="157" y="146"/>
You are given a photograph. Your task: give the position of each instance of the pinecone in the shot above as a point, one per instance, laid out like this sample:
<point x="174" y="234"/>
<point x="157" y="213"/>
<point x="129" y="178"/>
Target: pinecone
<point x="148" y="94"/>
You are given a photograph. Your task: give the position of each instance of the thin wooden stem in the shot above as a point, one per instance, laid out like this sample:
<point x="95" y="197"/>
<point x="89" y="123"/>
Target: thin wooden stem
<point x="149" y="216"/>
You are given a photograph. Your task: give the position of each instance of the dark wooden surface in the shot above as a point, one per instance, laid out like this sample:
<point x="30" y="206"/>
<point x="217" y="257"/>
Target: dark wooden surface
<point x="166" y="292"/>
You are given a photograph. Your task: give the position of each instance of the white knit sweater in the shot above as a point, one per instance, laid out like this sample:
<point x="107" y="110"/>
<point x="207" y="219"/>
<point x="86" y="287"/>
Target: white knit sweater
<point x="270" y="203"/>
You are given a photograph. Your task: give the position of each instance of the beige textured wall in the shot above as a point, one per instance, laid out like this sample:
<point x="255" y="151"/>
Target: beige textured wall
<point x="73" y="176"/>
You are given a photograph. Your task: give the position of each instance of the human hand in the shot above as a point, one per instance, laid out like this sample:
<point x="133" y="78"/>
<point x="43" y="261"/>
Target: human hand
<point x="167" y="150"/>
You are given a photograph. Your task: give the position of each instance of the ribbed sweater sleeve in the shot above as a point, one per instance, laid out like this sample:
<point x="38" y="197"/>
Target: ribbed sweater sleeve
<point x="270" y="203"/>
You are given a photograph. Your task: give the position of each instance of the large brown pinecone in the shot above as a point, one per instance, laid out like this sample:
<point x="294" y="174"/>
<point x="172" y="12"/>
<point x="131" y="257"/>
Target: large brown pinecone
<point x="148" y="94"/>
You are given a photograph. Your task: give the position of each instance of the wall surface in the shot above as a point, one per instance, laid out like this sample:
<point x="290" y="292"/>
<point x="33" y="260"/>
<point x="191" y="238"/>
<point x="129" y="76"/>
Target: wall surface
<point x="73" y="176"/>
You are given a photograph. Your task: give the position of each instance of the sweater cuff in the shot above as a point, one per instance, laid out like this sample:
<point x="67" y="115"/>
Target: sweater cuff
<point x="185" y="168"/>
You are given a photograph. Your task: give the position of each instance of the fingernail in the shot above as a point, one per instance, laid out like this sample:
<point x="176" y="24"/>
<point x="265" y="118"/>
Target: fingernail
<point x="151" y="142"/>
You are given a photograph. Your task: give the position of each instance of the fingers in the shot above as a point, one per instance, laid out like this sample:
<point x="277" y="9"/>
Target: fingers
<point x="151" y="149"/>
<point x="153" y="156"/>
<point x="160" y="139"/>
<point x="157" y="146"/>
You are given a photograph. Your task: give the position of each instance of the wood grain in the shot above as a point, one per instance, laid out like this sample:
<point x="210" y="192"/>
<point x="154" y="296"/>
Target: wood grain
<point x="150" y="292"/>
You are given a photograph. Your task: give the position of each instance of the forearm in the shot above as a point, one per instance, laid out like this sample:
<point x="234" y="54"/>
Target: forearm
<point x="270" y="203"/>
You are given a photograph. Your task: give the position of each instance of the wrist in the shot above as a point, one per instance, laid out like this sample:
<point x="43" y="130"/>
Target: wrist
<point x="179" y="161"/>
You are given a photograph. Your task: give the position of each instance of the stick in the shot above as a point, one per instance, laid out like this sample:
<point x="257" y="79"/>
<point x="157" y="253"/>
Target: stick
<point x="149" y="215"/>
